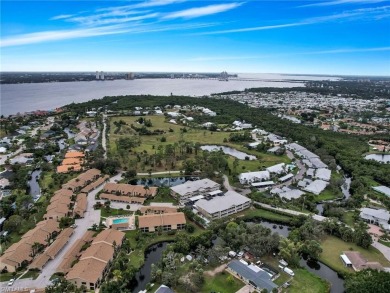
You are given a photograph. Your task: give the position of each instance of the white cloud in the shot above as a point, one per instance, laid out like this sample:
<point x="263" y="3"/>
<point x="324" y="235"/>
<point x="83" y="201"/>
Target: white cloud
<point x="151" y="3"/>
<point x="202" y="11"/>
<point x="364" y="13"/>
<point x="61" y="35"/>
<point x="323" y="52"/>
<point x="341" y="2"/>
<point x="62" y="16"/>
<point x="58" y="35"/>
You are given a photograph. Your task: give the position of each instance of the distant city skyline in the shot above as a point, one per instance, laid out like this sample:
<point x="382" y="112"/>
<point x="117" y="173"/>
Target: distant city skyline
<point x="337" y="37"/>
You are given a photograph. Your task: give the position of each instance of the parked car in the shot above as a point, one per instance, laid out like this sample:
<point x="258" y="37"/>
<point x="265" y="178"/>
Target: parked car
<point x="240" y="254"/>
<point x="11" y="282"/>
<point x="73" y="226"/>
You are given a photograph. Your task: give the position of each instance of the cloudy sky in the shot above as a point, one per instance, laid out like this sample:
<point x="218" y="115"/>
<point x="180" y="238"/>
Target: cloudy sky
<point x="313" y="37"/>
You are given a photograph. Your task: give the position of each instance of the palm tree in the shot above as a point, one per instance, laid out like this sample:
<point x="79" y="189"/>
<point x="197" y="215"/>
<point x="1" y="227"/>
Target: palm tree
<point x="146" y="188"/>
<point x="117" y="275"/>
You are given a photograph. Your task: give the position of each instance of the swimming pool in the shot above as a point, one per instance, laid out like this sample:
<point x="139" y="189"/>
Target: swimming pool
<point x="120" y="221"/>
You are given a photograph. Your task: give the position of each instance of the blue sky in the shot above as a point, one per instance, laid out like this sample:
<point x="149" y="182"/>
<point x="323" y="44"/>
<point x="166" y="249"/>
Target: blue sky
<point x="307" y="37"/>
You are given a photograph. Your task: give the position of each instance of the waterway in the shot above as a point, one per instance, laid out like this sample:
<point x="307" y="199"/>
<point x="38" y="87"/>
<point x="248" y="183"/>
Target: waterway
<point x="35" y="190"/>
<point x="228" y="151"/>
<point x="379" y="158"/>
<point x="45" y="96"/>
<point x="345" y="189"/>
<point x="152" y="256"/>
<point x="155" y="252"/>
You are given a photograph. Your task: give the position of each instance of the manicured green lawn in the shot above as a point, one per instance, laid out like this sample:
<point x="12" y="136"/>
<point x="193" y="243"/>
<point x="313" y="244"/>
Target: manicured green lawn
<point x="218" y="283"/>
<point x="31" y="274"/>
<point x="265" y="214"/>
<point x="306" y="282"/>
<point x="8" y="276"/>
<point x="333" y="247"/>
<point x="348" y="218"/>
<point x="283" y="278"/>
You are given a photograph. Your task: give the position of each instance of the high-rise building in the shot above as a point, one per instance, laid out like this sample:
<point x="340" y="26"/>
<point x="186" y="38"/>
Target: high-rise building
<point x="129" y="76"/>
<point x="97" y="75"/>
<point x="102" y="75"/>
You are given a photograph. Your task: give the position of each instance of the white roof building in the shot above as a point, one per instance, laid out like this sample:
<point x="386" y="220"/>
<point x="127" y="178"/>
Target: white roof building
<point x="222" y="206"/>
<point x="379" y="217"/>
<point x="323" y="174"/>
<point x="382" y="189"/>
<point x="277" y="169"/>
<point x="291" y="194"/>
<point x="193" y="188"/>
<point x="250" y="177"/>
<point x="316" y="187"/>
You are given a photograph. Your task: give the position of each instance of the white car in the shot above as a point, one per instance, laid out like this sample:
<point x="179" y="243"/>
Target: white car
<point x="11" y="282"/>
<point x="240" y="254"/>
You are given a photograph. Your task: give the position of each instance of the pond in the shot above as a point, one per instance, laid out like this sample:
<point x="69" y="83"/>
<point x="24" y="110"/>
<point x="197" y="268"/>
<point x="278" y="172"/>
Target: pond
<point x="228" y="151"/>
<point x="35" y="190"/>
<point x="152" y="256"/>
<point x="325" y="272"/>
<point x="69" y="133"/>
<point x="163" y="181"/>
<point x="378" y="158"/>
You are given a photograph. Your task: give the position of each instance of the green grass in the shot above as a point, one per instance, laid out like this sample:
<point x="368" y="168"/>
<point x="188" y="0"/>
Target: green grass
<point x="304" y="281"/>
<point x="30" y="274"/>
<point x="201" y="136"/>
<point x="348" y="218"/>
<point x="386" y="243"/>
<point x="283" y="278"/>
<point x="137" y="257"/>
<point x="333" y="247"/>
<point x="218" y="283"/>
<point x="265" y="214"/>
<point x="326" y="195"/>
<point x="113" y="212"/>
<point x="163" y="195"/>
<point x="4" y="277"/>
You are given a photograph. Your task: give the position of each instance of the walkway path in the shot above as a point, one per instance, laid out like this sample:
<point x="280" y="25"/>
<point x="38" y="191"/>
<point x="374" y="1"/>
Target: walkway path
<point x="104" y="141"/>
<point x="159" y="173"/>
<point x="382" y="248"/>
<point x="290" y="212"/>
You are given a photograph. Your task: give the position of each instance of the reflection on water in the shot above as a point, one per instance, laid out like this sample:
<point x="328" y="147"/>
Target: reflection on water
<point x="152" y="256"/>
<point x="228" y="151"/>
<point x="378" y="158"/>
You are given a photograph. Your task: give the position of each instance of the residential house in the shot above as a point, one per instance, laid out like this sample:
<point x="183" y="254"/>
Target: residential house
<point x="94" y="263"/>
<point x="165" y="222"/>
<point x="379" y="217"/>
<point x="252" y="275"/>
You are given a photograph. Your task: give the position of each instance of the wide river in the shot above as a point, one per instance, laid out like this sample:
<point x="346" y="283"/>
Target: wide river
<point x="45" y="96"/>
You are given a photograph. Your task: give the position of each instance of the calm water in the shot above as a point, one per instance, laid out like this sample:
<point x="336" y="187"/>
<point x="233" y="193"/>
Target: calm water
<point x="44" y="96"/>
<point x="152" y="256"/>
<point x="228" y="150"/>
<point x="379" y="158"/>
<point x="33" y="183"/>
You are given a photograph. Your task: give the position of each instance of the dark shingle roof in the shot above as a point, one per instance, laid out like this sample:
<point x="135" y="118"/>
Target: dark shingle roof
<point x="260" y="279"/>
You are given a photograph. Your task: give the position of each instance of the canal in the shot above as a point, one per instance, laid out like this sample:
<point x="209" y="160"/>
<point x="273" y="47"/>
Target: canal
<point x="154" y="253"/>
